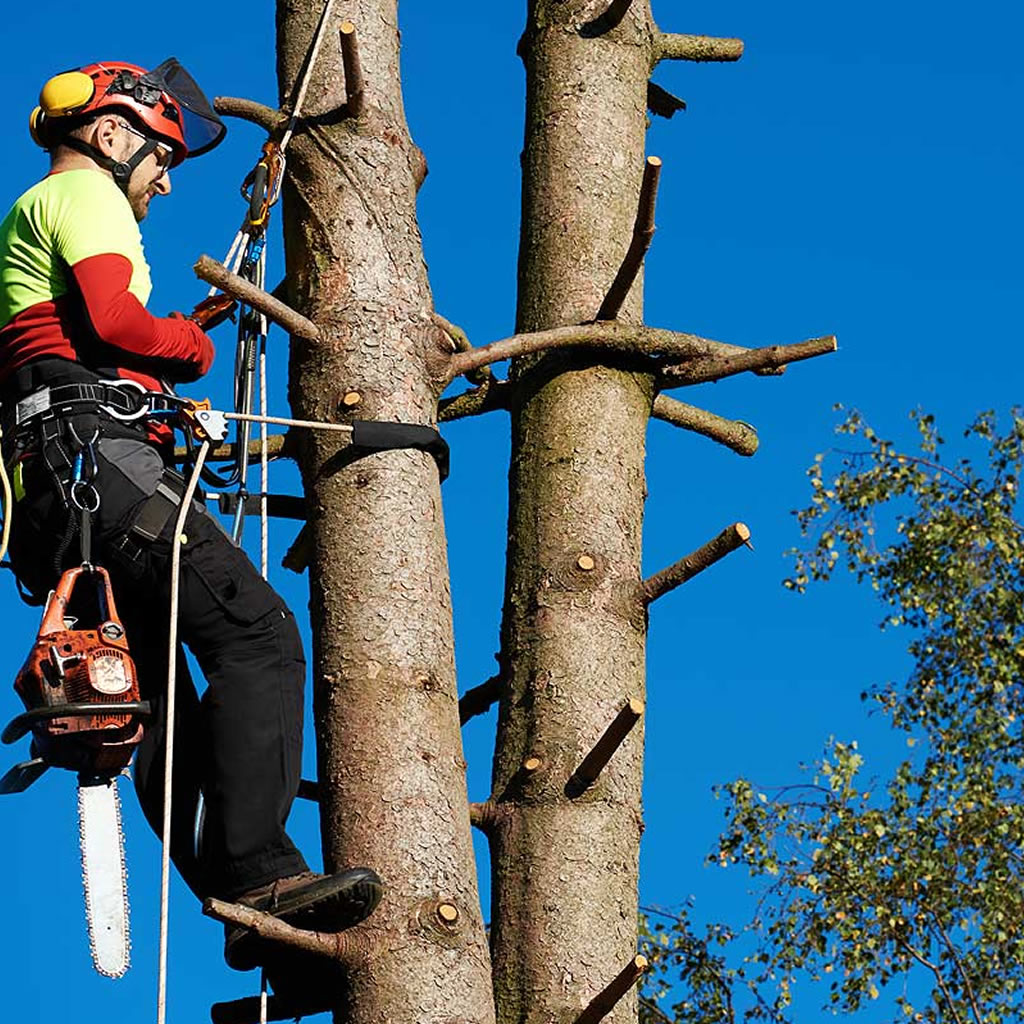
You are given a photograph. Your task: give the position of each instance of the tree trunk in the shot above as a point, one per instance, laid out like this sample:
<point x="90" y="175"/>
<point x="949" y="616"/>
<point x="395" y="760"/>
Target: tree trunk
<point x="564" y="866"/>
<point x="393" y="793"/>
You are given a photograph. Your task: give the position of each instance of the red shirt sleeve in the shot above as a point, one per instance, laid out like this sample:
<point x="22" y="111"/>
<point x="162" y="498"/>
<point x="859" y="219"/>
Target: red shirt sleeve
<point x="167" y="347"/>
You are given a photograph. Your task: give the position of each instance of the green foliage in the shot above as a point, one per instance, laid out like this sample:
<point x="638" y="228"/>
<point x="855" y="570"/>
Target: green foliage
<point x="917" y="883"/>
<point x="682" y="962"/>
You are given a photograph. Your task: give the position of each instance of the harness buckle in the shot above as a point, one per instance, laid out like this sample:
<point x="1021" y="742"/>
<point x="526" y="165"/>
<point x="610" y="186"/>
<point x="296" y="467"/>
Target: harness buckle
<point x="126" y="387"/>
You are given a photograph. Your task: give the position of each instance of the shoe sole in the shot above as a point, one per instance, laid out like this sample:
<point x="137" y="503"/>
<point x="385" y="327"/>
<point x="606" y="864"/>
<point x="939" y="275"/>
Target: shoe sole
<point x="357" y="892"/>
<point x="332" y="904"/>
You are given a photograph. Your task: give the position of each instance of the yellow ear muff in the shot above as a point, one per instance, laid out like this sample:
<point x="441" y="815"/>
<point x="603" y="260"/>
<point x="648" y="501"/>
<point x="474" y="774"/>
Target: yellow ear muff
<point x="35" y="127"/>
<point x="66" y="93"/>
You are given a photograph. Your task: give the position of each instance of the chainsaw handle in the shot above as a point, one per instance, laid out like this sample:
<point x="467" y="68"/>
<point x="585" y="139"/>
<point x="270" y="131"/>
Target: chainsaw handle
<point x="23" y="723"/>
<point x="56" y="606"/>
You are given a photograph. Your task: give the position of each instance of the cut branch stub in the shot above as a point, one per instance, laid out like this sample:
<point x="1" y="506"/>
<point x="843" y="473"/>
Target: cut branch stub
<point x="661" y="583"/>
<point x="736" y="435"/>
<point x="593" y="764"/>
<point x="354" y="91"/>
<point x="643" y="233"/>
<point x="268" y="118"/>
<point x="671" y="46"/>
<point x="661" y="102"/>
<point x="490" y="396"/>
<point x="481" y="698"/>
<point x="605" y="1001"/>
<point x="606" y="21"/>
<point x="209" y="270"/>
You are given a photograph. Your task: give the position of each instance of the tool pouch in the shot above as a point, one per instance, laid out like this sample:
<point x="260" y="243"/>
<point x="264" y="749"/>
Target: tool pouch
<point x="155" y="513"/>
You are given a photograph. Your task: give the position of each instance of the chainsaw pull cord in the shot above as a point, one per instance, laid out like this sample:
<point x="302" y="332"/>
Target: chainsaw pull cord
<point x="177" y="540"/>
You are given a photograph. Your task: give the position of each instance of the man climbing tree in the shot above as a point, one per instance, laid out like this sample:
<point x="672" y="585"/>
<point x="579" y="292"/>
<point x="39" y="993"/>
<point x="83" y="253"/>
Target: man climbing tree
<point x="82" y="366"/>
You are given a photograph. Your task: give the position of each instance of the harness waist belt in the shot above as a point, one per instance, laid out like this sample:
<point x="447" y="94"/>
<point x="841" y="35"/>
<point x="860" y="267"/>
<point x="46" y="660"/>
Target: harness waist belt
<point x="124" y="400"/>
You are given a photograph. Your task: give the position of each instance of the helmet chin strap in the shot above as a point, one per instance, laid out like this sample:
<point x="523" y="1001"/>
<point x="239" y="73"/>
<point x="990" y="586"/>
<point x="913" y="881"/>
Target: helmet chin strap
<point x="121" y="170"/>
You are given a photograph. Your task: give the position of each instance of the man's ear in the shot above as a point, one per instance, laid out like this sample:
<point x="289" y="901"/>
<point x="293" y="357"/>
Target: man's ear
<point x="105" y="134"/>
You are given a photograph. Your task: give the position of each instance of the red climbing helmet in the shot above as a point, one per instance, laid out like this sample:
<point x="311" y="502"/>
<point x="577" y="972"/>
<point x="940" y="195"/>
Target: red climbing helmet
<point x="165" y="105"/>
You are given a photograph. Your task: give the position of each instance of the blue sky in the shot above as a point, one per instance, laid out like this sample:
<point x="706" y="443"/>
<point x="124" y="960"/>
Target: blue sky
<point x="858" y="173"/>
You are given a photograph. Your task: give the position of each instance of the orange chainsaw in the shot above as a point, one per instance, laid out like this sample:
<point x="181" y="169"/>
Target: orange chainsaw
<point x="82" y="707"/>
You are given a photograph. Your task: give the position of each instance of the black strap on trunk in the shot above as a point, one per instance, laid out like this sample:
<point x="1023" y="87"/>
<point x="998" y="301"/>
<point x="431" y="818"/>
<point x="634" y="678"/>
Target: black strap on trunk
<point x="370" y="436"/>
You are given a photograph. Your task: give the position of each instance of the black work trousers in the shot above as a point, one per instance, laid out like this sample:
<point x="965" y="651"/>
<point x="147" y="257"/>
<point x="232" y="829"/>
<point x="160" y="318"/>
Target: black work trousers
<point x="240" y="744"/>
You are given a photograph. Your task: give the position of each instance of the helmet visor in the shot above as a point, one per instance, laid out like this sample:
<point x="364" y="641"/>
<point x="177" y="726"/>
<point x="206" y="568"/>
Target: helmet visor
<point x="200" y="125"/>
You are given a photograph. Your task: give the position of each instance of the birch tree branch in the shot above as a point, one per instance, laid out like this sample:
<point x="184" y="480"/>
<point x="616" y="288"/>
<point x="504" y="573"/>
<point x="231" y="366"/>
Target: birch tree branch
<point x="678" y="573"/>
<point x="671" y="46"/>
<point x="643" y="235"/>
<point x="736" y="435"/>
<point x="268" y="118"/>
<point x="717" y="366"/>
<point x="209" y="270"/>
<point x="347" y="945"/>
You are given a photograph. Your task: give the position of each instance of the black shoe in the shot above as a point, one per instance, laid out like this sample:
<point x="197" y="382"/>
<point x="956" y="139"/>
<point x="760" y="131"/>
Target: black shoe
<point x="322" y="903"/>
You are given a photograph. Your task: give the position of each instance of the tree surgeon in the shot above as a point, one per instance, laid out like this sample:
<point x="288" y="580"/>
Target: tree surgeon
<point x="79" y="357"/>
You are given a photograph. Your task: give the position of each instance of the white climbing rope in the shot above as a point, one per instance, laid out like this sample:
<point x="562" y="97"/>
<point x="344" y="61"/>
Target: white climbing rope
<point x="172" y="679"/>
<point x="172" y="664"/>
<point x="314" y="52"/>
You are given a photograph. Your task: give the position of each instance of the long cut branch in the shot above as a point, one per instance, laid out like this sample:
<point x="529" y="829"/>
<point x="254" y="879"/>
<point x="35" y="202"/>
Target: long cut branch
<point x="621" y="339"/>
<point x="671" y="46"/>
<point x="678" y="573"/>
<point x="717" y="366"/>
<point x="736" y="435"/>
<point x="212" y="272"/>
<point x="343" y="946"/>
<point x="643" y="234"/>
<point x="268" y="118"/>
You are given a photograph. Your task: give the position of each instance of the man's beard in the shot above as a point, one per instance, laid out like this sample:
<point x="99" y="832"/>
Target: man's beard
<point x="140" y="205"/>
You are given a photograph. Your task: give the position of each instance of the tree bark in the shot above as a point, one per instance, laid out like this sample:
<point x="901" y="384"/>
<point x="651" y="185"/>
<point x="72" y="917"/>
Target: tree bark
<point x="564" y="869"/>
<point x="393" y="793"/>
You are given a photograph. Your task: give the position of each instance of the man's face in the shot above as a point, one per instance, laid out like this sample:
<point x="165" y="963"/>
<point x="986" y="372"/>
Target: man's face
<point x="150" y="178"/>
